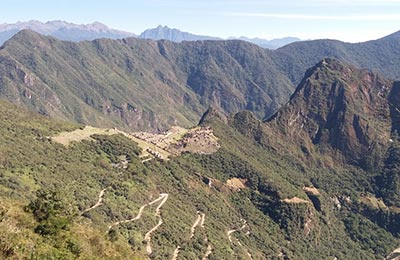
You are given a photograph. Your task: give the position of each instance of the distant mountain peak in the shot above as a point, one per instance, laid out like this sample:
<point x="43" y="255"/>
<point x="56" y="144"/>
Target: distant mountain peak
<point x="63" y="30"/>
<point x="172" y="34"/>
<point x="163" y="27"/>
<point x="269" y="44"/>
<point x="163" y="32"/>
<point x="394" y="35"/>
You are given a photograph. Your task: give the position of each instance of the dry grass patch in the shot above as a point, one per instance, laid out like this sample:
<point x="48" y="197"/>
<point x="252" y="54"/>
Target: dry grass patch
<point x="161" y="146"/>
<point x="311" y="191"/>
<point x="295" y="200"/>
<point x="373" y="202"/>
<point x="79" y="135"/>
<point x="236" y="183"/>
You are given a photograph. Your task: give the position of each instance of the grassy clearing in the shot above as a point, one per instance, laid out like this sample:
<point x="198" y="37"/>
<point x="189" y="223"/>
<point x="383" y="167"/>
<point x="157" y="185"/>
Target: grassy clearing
<point x="78" y="135"/>
<point x="162" y="146"/>
<point x="148" y="149"/>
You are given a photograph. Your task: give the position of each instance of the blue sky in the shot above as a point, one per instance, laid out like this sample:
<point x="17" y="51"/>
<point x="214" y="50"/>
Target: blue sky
<point x="347" y="20"/>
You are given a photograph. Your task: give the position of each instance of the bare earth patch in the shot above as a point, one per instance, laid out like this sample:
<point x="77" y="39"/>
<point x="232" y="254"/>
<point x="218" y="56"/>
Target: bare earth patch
<point x="236" y="183"/>
<point x="311" y="191"/>
<point x="295" y="200"/>
<point x="78" y="135"/>
<point x="373" y="202"/>
<point x="160" y="146"/>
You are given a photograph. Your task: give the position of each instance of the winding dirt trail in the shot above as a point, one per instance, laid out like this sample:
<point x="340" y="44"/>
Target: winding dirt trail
<point x="176" y="253"/>
<point x="147" y="237"/>
<point x="208" y="252"/>
<point x="195" y="224"/>
<point x="139" y="215"/>
<point x="394" y="255"/>
<point x="230" y="232"/>
<point x="201" y="218"/>
<point x="98" y="203"/>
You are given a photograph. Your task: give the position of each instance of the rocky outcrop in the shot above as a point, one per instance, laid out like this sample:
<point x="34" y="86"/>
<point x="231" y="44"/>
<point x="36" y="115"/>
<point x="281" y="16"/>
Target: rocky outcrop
<point x="339" y="108"/>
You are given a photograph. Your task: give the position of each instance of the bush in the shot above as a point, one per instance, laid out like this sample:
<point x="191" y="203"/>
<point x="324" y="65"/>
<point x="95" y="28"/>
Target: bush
<point x="51" y="211"/>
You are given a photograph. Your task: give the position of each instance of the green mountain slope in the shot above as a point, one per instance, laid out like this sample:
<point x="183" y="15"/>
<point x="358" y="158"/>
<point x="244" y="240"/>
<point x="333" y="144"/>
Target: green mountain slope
<point x="138" y="83"/>
<point x="344" y="121"/>
<point x="144" y="84"/>
<point x="340" y="107"/>
<point x="378" y="55"/>
<point x="255" y="198"/>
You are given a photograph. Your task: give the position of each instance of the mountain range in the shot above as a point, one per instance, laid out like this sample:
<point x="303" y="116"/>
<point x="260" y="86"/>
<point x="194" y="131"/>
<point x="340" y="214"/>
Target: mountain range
<point x="110" y="80"/>
<point x="247" y="153"/>
<point x="322" y="169"/>
<point x="76" y="32"/>
<point x="175" y="35"/>
<point x="63" y="30"/>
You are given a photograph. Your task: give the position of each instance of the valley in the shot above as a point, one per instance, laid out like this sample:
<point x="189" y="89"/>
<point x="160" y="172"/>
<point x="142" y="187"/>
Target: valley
<point x="142" y="149"/>
<point x="145" y="85"/>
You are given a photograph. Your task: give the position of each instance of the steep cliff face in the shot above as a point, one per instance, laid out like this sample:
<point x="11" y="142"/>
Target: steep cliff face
<point x="394" y="104"/>
<point x="340" y="108"/>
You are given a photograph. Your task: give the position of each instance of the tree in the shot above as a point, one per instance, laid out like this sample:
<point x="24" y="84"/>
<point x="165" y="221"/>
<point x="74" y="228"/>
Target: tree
<point x="51" y="211"/>
<point x="389" y="180"/>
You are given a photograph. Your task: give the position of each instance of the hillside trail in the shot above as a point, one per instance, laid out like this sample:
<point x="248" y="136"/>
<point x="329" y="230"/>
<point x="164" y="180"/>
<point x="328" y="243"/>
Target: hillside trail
<point x="230" y="232"/>
<point x="201" y="218"/>
<point x="163" y="197"/>
<point x="208" y="252"/>
<point x="176" y="253"/>
<point x="395" y="255"/>
<point x="139" y="215"/>
<point x="98" y="203"/>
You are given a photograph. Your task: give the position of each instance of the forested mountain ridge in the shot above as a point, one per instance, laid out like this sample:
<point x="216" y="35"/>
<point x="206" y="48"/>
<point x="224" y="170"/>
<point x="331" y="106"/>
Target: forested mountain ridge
<point x="145" y="84"/>
<point x="138" y="83"/>
<point x="377" y="55"/>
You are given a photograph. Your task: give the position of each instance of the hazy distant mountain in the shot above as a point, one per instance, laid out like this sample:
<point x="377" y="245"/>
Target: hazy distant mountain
<point x="175" y="35"/>
<point x="63" y="30"/>
<point x="393" y="35"/>
<point x="270" y="44"/>
<point x="172" y="34"/>
<point x="80" y="32"/>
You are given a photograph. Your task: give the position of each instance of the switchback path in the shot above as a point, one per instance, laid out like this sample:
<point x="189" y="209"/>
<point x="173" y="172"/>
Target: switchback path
<point x="201" y="218"/>
<point x="163" y="197"/>
<point x="208" y="252"/>
<point x="98" y="203"/>
<point x="394" y="255"/>
<point x="230" y="232"/>
<point x="139" y="215"/>
<point x="195" y="224"/>
<point x="176" y="253"/>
